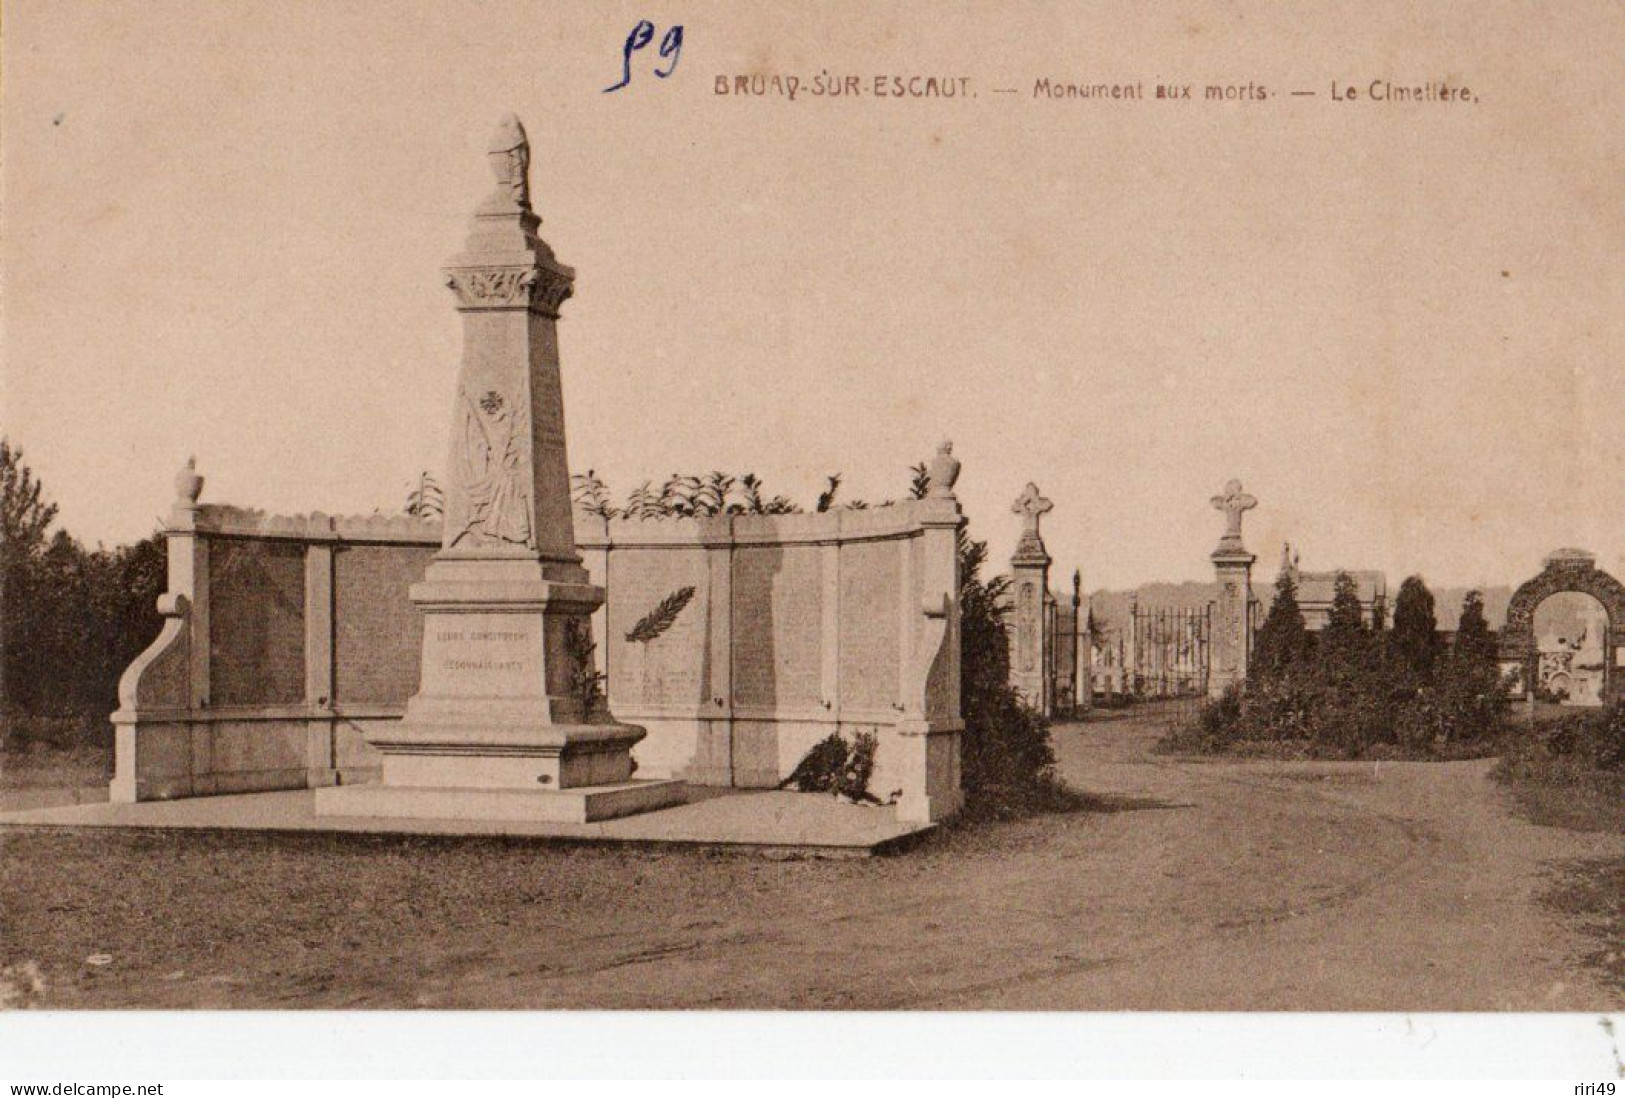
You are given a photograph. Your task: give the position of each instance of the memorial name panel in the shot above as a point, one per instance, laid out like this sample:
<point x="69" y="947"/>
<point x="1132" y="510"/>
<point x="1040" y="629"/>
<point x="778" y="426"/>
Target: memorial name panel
<point x="377" y="632"/>
<point x="776" y="623"/>
<point x="257" y="622"/>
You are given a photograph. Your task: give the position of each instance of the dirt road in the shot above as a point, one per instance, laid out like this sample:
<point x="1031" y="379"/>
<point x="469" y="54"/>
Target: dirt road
<point x="1197" y="886"/>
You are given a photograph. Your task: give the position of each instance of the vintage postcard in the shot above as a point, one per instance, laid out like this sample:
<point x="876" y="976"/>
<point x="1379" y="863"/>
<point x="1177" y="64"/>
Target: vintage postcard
<point x="1066" y="507"/>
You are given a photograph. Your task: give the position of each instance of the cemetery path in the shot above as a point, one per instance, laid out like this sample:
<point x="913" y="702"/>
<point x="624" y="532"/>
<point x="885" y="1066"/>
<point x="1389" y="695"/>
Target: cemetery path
<point x="1200" y="885"/>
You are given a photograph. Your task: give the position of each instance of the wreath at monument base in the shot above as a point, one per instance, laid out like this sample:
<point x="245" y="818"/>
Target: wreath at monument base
<point x="833" y="766"/>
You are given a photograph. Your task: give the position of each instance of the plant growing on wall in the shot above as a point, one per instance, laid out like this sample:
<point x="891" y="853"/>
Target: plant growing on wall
<point x="591" y="495"/>
<point x="677" y="495"/>
<point x="711" y="494"/>
<point x="826" y="498"/>
<point x="643" y="503"/>
<point x="750" y="500"/>
<point x="919" y="480"/>
<point x="586" y="681"/>
<point x="661" y="618"/>
<point x="426" y="500"/>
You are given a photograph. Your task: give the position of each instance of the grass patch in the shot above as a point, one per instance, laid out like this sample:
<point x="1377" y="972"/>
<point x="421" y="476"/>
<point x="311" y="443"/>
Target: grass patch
<point x="1189" y="737"/>
<point x="1575" y="802"/>
<point x="55" y="752"/>
<point x="1588" y="894"/>
<point x="1569" y="771"/>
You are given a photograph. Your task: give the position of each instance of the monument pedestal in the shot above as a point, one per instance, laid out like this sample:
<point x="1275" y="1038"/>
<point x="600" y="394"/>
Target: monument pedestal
<point x="499" y="728"/>
<point x="508" y="722"/>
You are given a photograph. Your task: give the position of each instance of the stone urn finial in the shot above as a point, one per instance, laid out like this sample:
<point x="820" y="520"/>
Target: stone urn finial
<point x="509" y="156"/>
<point x="944" y="471"/>
<point x="188" y="486"/>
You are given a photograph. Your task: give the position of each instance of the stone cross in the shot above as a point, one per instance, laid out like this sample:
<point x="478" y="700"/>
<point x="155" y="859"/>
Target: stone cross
<point x="1031" y="506"/>
<point x="1234" y="503"/>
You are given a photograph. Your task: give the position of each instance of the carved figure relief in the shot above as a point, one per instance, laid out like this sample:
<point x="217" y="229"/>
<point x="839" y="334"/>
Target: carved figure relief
<point x="491" y="469"/>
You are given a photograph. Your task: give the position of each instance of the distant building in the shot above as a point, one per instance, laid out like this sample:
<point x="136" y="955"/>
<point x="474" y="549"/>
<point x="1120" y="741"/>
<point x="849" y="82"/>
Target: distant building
<point x="1315" y="591"/>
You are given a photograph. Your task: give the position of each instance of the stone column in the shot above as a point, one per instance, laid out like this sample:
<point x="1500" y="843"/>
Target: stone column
<point x="930" y="727"/>
<point x="1029" y="584"/>
<point x="1232" y="612"/>
<point x="502" y="726"/>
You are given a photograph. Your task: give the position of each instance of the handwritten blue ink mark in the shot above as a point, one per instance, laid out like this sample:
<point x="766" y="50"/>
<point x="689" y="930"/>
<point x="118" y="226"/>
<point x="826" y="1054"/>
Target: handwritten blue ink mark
<point x="671" y="46"/>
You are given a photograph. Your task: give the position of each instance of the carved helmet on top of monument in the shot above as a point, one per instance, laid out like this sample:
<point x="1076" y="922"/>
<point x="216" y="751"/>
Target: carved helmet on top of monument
<point x="509" y="156"/>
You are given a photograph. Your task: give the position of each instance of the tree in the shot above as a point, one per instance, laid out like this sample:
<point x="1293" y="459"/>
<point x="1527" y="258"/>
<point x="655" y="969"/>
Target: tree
<point x="1345" y="625"/>
<point x="1283" y="640"/>
<point x="24" y="518"/>
<point x="1474" y="641"/>
<point x="24" y="513"/>
<point x="1415" y="636"/>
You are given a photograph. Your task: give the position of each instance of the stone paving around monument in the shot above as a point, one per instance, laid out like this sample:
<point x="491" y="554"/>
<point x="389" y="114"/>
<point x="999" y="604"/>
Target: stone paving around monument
<point x="749" y="822"/>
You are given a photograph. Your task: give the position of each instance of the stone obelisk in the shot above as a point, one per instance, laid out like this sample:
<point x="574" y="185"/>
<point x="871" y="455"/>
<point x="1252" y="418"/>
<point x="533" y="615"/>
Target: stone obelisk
<point x="507" y="722"/>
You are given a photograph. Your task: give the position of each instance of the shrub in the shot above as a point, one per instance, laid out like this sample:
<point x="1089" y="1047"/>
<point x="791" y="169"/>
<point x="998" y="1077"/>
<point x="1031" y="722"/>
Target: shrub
<point x="1415" y="636"/>
<point x="1358" y="692"/>
<point x="1573" y="743"/>
<point x="1007" y="761"/>
<point x="1465" y="703"/>
<point x="1283" y="640"/>
<point x="1219" y="720"/>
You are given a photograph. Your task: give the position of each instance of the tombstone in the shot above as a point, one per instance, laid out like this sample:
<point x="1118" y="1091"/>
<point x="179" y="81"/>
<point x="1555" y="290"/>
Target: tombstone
<point x="507" y="723"/>
<point x="1232" y="611"/>
<point x="1029" y="587"/>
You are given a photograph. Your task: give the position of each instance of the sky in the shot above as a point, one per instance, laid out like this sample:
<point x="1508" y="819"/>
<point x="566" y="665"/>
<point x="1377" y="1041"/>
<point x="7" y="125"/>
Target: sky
<point x="1400" y="326"/>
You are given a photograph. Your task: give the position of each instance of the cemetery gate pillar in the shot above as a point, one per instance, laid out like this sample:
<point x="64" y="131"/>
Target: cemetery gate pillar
<point x="1232" y="630"/>
<point x="1029" y="586"/>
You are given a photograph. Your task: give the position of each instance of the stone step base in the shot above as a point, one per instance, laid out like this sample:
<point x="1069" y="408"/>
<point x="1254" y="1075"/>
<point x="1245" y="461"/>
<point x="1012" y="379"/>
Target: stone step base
<point x="581" y="805"/>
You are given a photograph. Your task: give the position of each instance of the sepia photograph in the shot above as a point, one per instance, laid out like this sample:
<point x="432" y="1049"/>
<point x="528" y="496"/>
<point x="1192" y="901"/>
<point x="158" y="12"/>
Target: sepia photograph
<point x="1090" y="512"/>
